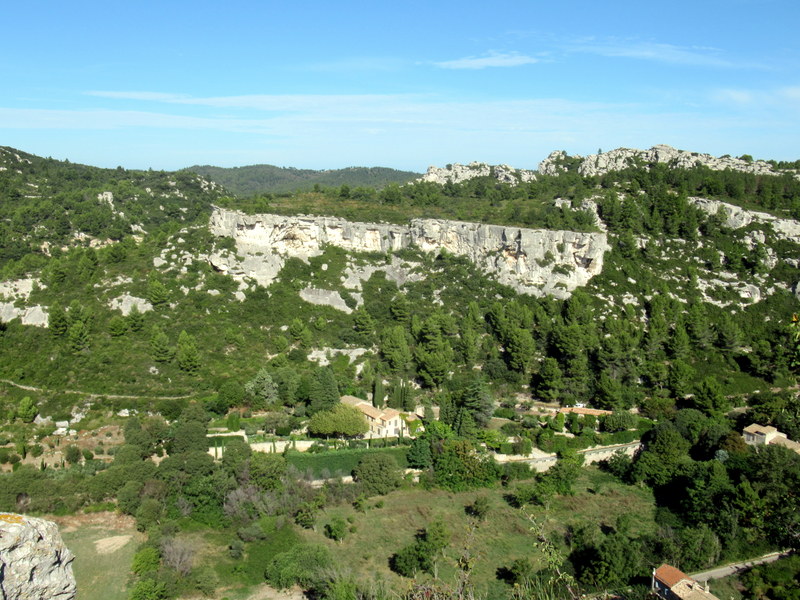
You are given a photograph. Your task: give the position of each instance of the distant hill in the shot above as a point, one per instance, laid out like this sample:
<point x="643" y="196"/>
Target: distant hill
<point x="259" y="179"/>
<point x="46" y="202"/>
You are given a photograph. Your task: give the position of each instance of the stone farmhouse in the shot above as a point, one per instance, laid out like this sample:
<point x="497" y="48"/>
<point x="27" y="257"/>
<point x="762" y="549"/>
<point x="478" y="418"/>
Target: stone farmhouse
<point x="383" y="422"/>
<point x="759" y="435"/>
<point x="670" y="583"/>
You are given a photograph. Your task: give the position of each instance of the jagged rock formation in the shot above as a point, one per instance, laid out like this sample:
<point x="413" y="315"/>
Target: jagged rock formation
<point x="737" y="217"/>
<point x="457" y="173"/>
<point x="622" y="158"/>
<point x="532" y="261"/>
<point x="34" y="563"/>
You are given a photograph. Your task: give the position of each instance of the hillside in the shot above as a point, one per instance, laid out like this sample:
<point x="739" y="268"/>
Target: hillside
<point x="47" y="204"/>
<point x="268" y="179"/>
<point x="635" y="243"/>
<point x="140" y="311"/>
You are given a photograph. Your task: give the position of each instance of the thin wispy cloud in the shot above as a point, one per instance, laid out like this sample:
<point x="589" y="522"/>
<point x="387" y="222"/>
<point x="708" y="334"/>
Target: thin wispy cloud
<point x="783" y="98"/>
<point x="308" y="129"/>
<point x="698" y="56"/>
<point x="493" y="59"/>
<point x="264" y="102"/>
<point x="133" y="95"/>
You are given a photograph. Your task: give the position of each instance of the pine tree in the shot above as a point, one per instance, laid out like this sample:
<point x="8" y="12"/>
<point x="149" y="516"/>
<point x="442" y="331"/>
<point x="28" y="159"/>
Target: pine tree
<point x="187" y="354"/>
<point x="324" y="392"/>
<point x="135" y="319"/>
<point x="157" y="292"/>
<point x="261" y="389"/>
<point x="78" y="336"/>
<point x="400" y="309"/>
<point x="117" y="326"/>
<point x="394" y="348"/>
<point x="550" y="381"/>
<point x="159" y="345"/>
<point x="58" y="323"/>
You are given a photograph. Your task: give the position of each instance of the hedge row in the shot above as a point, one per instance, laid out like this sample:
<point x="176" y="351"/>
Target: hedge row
<point x="339" y="462"/>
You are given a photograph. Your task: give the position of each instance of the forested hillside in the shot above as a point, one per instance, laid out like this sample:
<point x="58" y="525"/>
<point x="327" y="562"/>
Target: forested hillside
<point x="123" y="307"/>
<point x="269" y="179"/>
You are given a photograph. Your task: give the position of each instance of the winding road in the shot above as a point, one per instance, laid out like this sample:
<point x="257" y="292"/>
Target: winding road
<point x="734" y="568"/>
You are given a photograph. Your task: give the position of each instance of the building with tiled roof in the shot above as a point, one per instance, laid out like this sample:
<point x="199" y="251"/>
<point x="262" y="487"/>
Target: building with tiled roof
<point x="671" y="583"/>
<point x="758" y="435"/>
<point x="383" y="422"/>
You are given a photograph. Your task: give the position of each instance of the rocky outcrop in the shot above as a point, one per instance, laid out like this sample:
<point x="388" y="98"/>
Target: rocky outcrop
<point x="622" y="158"/>
<point x="457" y="173"/>
<point x="34" y="563"/>
<point x="325" y="298"/>
<point x="532" y="261"/>
<point x="126" y="303"/>
<point x="737" y="217"/>
<point x="31" y="315"/>
<point x="16" y="293"/>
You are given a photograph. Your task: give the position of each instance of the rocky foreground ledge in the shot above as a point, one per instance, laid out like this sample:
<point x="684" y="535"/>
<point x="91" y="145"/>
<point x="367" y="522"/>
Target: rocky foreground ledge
<point x="34" y="562"/>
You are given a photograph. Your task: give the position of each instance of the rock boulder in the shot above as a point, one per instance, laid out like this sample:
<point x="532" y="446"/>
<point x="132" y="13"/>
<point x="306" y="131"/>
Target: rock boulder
<point x="34" y="563"/>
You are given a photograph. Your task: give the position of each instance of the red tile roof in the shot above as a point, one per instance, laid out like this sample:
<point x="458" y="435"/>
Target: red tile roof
<point x="670" y="576"/>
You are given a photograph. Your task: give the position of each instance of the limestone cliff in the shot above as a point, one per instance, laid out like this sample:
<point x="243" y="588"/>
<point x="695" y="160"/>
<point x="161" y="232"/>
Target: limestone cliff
<point x="532" y="261"/>
<point x="737" y="217"/>
<point x="622" y="158"/>
<point x="457" y="173"/>
<point x="34" y="563"/>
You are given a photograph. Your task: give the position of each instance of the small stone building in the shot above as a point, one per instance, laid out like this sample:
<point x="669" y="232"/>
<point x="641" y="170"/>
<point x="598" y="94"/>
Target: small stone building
<point x="671" y="583"/>
<point x="383" y="422"/>
<point x="759" y="435"/>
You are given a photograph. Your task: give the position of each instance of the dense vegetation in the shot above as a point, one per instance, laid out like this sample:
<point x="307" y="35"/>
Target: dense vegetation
<point x="655" y="332"/>
<point x="268" y="179"/>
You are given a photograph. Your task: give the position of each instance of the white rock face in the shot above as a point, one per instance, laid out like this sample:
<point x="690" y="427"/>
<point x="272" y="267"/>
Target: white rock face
<point x="737" y="217"/>
<point x="32" y="315"/>
<point x="532" y="261"/>
<point x="457" y="173"/>
<point x="34" y="563"/>
<point x="621" y="158"/>
<point x="325" y="298"/>
<point x="126" y="302"/>
<point x="17" y="292"/>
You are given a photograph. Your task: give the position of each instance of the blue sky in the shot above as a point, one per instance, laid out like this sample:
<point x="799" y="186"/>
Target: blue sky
<point x="170" y="84"/>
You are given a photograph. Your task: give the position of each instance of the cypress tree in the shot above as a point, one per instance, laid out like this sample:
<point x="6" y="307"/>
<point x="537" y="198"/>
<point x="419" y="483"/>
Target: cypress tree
<point x="378" y="393"/>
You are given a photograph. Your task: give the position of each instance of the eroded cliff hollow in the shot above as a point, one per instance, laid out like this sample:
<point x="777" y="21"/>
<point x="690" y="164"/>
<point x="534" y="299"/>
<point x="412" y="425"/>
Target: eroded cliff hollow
<point x="532" y="261"/>
<point x="34" y="563"/>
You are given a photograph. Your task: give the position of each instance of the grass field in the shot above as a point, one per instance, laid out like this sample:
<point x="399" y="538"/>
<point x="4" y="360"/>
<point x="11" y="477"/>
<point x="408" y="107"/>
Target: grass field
<point x="103" y="545"/>
<point x="496" y="543"/>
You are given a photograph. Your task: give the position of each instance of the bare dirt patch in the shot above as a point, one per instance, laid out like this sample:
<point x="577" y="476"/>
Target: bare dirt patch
<point x="266" y="592"/>
<point x="106" y="520"/>
<point x="111" y="544"/>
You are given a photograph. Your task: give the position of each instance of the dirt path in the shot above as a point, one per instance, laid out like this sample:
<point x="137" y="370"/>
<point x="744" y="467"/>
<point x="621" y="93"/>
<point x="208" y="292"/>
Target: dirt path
<point x="92" y="395"/>
<point x="266" y="592"/>
<point x="111" y="544"/>
<point x="731" y="569"/>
